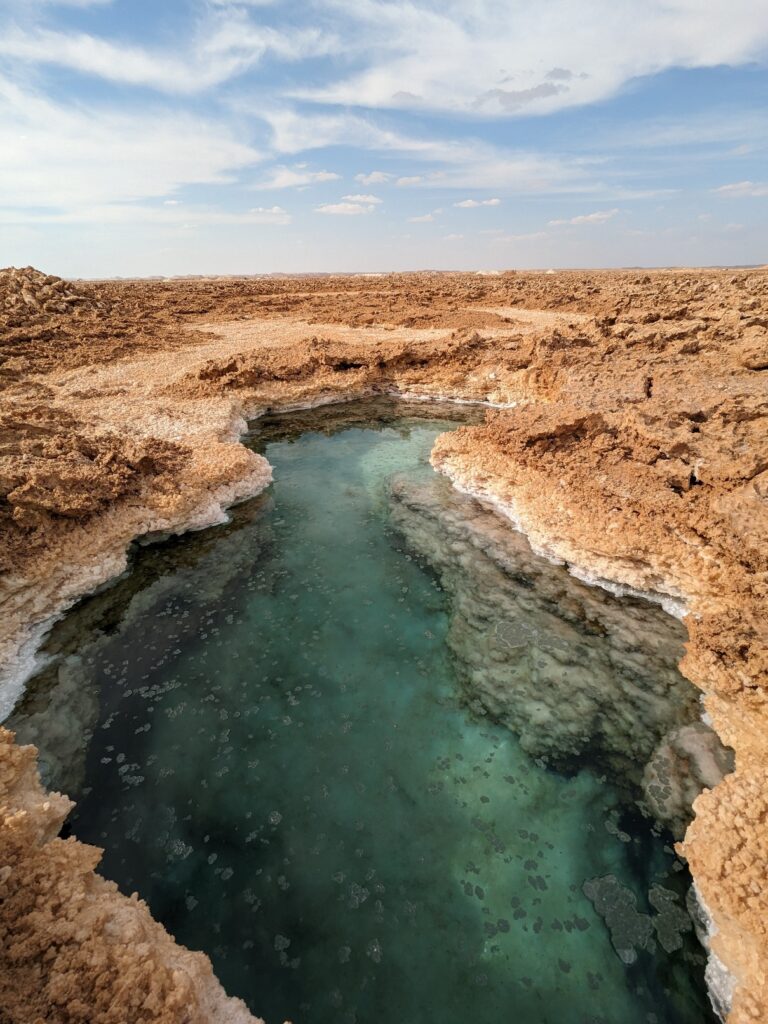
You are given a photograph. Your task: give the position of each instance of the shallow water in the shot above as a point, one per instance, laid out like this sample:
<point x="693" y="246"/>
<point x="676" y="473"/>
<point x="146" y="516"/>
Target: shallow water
<point x="376" y="758"/>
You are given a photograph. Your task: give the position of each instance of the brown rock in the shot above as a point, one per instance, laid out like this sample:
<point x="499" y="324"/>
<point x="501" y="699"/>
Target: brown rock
<point x="638" y="451"/>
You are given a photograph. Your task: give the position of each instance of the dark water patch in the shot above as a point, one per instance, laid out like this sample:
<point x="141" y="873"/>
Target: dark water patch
<point x="374" y="757"/>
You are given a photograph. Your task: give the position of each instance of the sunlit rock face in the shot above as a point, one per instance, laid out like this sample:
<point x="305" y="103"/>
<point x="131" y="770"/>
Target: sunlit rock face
<point x="570" y="670"/>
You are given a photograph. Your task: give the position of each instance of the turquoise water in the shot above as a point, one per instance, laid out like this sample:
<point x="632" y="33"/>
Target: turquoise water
<point x="281" y="750"/>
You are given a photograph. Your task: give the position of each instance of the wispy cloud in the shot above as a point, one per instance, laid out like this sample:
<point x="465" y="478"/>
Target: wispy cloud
<point x="710" y="129"/>
<point x="183" y="217"/>
<point x="468" y="57"/>
<point x="364" y="199"/>
<point x="531" y="236"/>
<point x="270" y="214"/>
<point x="743" y="189"/>
<point x="599" y="217"/>
<point x="471" y="204"/>
<point x="345" y="209"/>
<point x="226" y="47"/>
<point x="173" y="119"/>
<point x="295" y="177"/>
<point x="482" y="58"/>
<point x="453" y="163"/>
<point x="58" y="155"/>
<point x="374" y="178"/>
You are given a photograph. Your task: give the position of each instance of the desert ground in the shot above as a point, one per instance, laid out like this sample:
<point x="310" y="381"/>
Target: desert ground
<point x="626" y="435"/>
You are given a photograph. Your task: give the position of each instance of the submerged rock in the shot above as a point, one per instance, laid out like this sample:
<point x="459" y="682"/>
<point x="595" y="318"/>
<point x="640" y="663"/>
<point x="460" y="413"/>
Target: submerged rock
<point x="578" y="675"/>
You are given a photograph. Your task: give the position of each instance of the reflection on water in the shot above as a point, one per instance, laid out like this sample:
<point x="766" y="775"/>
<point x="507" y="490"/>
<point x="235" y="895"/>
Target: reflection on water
<point x="379" y="760"/>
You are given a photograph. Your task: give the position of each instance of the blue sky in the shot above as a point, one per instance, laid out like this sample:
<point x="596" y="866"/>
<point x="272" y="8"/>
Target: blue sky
<point x="247" y="136"/>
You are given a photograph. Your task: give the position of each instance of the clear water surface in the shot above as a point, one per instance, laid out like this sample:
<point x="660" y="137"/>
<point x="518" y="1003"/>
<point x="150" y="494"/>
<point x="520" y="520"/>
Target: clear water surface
<point x="272" y="734"/>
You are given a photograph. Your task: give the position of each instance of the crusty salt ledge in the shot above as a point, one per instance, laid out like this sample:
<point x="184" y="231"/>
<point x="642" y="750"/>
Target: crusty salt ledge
<point x="634" y="448"/>
<point x="73" y="947"/>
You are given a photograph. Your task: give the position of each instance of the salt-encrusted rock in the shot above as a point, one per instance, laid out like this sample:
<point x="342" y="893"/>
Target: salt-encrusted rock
<point x="72" y="948"/>
<point x="637" y="454"/>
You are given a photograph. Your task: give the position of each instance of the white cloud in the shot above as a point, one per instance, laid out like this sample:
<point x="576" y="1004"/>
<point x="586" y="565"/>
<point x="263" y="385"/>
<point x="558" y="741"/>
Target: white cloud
<point x="743" y="189"/>
<point x="367" y="200"/>
<point x="345" y="209"/>
<point x="469" y="163"/>
<point x="270" y="214"/>
<point x="479" y="58"/>
<point x="374" y="178"/>
<point x="532" y="236"/>
<point x="85" y="151"/>
<point x="228" y="45"/>
<point x="470" y="204"/>
<point x="600" y="217"/>
<point x="295" y="177"/>
<point x="452" y="238"/>
<point x="133" y="214"/>
<point x="710" y="128"/>
<point x="64" y="155"/>
<point x="461" y="56"/>
<point x="425" y="218"/>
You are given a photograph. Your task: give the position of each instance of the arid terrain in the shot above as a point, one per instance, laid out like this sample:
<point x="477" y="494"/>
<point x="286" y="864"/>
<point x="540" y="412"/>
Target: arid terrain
<point x="627" y="436"/>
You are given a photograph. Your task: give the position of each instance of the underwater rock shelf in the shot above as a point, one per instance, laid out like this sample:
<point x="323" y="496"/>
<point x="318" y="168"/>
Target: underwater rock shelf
<point x="377" y="759"/>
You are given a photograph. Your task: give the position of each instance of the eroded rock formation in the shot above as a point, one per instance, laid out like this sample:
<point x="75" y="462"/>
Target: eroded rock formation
<point x="72" y="947"/>
<point x="637" y="453"/>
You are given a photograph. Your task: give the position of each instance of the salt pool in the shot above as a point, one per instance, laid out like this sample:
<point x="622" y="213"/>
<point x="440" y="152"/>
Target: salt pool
<point x="376" y="758"/>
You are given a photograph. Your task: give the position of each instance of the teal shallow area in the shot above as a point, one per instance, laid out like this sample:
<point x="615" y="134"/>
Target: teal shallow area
<point x="281" y="758"/>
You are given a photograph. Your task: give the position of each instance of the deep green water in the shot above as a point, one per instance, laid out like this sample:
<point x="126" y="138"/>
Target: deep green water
<point x="278" y="749"/>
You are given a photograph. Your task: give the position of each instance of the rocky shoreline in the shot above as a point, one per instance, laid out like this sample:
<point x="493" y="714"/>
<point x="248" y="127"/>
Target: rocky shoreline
<point x="721" y="981"/>
<point x="629" y="442"/>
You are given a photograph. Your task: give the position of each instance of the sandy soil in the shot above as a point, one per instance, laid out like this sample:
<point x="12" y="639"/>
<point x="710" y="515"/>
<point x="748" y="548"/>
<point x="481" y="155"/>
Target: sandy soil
<point x="630" y="441"/>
